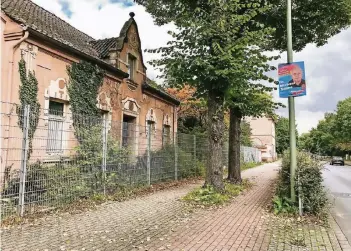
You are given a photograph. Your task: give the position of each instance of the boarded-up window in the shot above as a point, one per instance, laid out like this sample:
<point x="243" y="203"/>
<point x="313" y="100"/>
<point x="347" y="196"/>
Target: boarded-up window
<point x="128" y="131"/>
<point x="166" y="135"/>
<point x="132" y="67"/>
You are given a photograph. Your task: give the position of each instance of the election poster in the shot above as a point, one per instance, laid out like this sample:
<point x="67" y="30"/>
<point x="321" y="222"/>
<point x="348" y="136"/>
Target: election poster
<point x="292" y="80"/>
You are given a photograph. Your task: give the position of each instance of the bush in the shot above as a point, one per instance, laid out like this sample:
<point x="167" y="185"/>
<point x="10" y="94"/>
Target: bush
<point x="283" y="205"/>
<point x="163" y="164"/>
<point x="48" y="184"/>
<point x="309" y="176"/>
<point x="208" y="196"/>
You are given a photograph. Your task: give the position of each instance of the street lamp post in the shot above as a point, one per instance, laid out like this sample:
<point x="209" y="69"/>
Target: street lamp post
<point x="291" y="102"/>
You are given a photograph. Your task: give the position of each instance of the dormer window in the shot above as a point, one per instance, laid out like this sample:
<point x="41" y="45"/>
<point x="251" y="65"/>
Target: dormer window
<point x="131" y="67"/>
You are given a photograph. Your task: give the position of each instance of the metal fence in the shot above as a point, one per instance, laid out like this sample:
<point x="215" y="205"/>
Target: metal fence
<point x="68" y="157"/>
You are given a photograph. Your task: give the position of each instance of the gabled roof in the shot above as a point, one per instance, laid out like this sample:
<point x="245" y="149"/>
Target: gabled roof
<point x="123" y="33"/>
<point x="103" y="46"/>
<point x="45" y="22"/>
<point x="50" y="25"/>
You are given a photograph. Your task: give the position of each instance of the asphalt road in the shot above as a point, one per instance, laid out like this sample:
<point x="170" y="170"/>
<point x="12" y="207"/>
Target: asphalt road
<point x="337" y="180"/>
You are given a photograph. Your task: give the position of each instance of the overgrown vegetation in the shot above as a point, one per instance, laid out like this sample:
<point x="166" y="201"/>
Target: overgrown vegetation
<point x="82" y="176"/>
<point x="283" y="205"/>
<point x="209" y="196"/>
<point x="28" y="95"/>
<point x="124" y="192"/>
<point x="308" y="186"/>
<point x="163" y="164"/>
<point x="85" y="80"/>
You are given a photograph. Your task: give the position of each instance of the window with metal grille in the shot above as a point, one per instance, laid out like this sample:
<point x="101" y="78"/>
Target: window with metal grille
<point x="55" y="128"/>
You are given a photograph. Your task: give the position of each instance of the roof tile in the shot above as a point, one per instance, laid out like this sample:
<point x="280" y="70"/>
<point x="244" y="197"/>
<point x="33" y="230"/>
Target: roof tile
<point x="45" y="22"/>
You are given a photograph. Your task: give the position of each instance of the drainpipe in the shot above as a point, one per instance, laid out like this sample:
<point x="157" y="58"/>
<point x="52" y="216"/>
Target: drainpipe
<point x="9" y="93"/>
<point x="173" y="124"/>
<point x="10" y="73"/>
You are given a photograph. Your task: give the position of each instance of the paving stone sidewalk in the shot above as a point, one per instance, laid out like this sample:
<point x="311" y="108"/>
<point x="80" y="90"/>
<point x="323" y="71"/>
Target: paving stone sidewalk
<point x="162" y="222"/>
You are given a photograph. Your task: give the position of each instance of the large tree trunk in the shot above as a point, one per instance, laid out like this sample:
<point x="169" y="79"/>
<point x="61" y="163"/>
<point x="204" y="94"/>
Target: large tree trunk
<point x="234" y="172"/>
<point x="214" y="172"/>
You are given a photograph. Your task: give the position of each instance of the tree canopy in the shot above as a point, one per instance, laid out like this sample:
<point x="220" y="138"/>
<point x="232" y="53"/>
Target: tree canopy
<point x="314" y="21"/>
<point x="217" y="49"/>
<point x="332" y="135"/>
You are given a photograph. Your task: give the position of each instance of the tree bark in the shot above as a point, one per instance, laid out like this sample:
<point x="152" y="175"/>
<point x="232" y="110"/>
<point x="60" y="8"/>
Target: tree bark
<point x="214" y="171"/>
<point x="234" y="172"/>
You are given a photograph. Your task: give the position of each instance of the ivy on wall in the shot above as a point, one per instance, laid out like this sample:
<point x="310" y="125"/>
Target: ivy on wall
<point x="85" y="79"/>
<point x="28" y="95"/>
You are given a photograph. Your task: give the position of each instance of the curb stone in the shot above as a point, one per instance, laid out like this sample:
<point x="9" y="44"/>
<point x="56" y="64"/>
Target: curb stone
<point x="339" y="235"/>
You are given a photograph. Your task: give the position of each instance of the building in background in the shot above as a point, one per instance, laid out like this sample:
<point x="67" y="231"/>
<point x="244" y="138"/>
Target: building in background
<point x="263" y="136"/>
<point x="48" y="45"/>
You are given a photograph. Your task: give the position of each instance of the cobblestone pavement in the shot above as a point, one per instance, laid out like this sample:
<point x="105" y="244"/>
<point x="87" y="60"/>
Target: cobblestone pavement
<point x="161" y="222"/>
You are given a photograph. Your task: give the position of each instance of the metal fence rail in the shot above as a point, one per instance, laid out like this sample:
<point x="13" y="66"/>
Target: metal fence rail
<point x="70" y="157"/>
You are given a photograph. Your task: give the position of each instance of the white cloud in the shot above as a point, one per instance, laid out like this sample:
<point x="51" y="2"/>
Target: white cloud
<point x="306" y="120"/>
<point x="108" y="20"/>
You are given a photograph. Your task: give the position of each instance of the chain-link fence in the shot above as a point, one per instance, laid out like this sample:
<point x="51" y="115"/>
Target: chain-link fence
<point x="51" y="158"/>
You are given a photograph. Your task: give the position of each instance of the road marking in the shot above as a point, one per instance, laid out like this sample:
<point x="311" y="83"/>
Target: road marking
<point x="342" y="195"/>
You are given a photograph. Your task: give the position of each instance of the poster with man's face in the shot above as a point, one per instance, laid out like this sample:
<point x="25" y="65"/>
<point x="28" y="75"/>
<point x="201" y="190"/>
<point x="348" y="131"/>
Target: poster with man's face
<point x="292" y="81"/>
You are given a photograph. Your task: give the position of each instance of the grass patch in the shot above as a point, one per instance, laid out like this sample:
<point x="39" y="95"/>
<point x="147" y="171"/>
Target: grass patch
<point x="208" y="196"/>
<point x="298" y="241"/>
<point x="244" y="166"/>
<point x="248" y="165"/>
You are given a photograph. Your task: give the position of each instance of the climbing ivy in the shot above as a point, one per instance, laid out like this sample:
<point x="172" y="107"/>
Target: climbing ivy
<point x="28" y="95"/>
<point x="85" y="79"/>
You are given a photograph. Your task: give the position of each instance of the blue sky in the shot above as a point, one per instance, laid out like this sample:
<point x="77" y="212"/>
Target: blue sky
<point x="65" y="8"/>
<point x="125" y="3"/>
<point x="65" y="5"/>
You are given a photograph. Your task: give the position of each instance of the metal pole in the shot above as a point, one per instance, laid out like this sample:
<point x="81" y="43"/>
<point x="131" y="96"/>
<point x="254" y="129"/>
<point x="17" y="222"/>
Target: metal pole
<point x="195" y="155"/>
<point x="24" y="156"/>
<point x="176" y="156"/>
<point x="148" y="167"/>
<point x="300" y="197"/>
<point x="293" y="161"/>
<point x="104" y="153"/>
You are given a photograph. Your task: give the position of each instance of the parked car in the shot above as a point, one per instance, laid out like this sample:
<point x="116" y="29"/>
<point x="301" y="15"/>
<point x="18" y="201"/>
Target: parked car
<point x="337" y="160"/>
